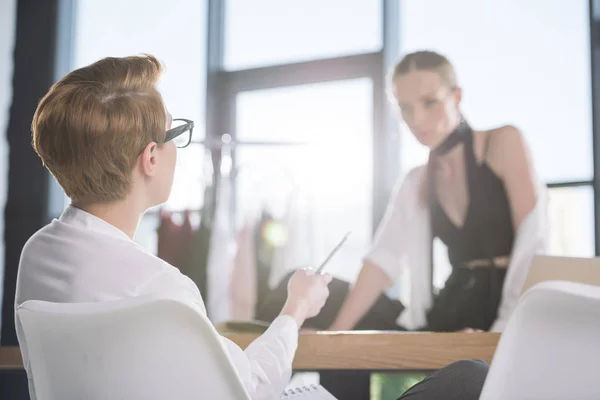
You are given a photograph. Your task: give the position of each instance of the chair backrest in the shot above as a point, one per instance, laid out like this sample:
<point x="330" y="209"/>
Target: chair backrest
<point x="571" y="269"/>
<point x="136" y="348"/>
<point x="550" y="348"/>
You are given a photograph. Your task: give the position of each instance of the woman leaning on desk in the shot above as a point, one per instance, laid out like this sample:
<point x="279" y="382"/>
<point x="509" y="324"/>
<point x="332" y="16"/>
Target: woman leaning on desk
<point x="478" y="193"/>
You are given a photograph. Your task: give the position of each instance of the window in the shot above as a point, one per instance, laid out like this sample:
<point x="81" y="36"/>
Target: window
<point x="525" y="64"/>
<point x="571" y="216"/>
<point x="521" y="63"/>
<point x="267" y="32"/>
<point x="176" y="34"/>
<point x="326" y="179"/>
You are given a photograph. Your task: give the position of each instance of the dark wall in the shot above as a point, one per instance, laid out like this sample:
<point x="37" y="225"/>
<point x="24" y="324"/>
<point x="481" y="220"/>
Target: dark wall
<point x="27" y="198"/>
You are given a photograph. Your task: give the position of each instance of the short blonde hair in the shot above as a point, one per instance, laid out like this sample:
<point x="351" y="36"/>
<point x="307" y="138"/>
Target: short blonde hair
<point x="426" y="61"/>
<point x="92" y="125"/>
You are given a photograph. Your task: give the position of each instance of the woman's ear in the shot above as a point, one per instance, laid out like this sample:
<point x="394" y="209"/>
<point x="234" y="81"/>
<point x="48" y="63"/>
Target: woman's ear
<point x="458" y="96"/>
<point x="148" y="159"/>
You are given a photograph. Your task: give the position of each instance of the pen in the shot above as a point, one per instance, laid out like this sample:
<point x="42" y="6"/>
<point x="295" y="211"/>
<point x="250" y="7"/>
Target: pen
<point x="335" y="249"/>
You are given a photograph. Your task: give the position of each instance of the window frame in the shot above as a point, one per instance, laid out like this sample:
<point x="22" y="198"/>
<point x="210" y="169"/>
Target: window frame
<point x="224" y="86"/>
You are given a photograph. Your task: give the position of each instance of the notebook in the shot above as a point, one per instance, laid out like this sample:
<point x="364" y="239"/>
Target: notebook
<point x="308" y="392"/>
<point x="257" y="327"/>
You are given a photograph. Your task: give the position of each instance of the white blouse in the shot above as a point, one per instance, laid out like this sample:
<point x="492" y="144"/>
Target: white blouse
<point x="81" y="258"/>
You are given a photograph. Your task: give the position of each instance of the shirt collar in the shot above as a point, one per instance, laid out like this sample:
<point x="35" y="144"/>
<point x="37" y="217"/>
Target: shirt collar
<point x="77" y="217"/>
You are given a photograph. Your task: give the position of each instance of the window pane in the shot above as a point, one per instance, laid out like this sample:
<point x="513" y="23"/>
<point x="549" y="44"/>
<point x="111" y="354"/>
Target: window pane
<point x="324" y="112"/>
<point x="525" y="63"/>
<point x="147" y="232"/>
<point x="329" y="181"/>
<point x="191" y="173"/>
<point x="176" y="35"/>
<point x="268" y="32"/>
<point x="571" y="212"/>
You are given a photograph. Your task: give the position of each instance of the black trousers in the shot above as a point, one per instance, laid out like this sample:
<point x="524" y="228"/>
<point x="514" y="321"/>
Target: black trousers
<point x="461" y="380"/>
<point x="382" y="315"/>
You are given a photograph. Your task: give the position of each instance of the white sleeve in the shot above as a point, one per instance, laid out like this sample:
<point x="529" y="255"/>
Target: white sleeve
<point x="387" y="249"/>
<point x="265" y="367"/>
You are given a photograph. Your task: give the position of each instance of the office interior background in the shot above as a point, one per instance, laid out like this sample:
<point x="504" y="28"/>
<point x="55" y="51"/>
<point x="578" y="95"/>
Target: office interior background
<point x="292" y="118"/>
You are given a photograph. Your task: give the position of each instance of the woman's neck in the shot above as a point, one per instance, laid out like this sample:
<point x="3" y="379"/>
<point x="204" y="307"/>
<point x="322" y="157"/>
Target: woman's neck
<point x="449" y="151"/>
<point x="124" y="215"/>
<point x="453" y="156"/>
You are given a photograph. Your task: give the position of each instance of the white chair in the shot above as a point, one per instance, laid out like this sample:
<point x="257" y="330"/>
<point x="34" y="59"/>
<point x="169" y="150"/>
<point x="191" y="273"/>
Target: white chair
<point x="137" y="348"/>
<point x="550" y="348"/>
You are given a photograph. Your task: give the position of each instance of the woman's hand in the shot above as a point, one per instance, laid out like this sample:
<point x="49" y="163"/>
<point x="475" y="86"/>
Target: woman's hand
<point x="307" y="293"/>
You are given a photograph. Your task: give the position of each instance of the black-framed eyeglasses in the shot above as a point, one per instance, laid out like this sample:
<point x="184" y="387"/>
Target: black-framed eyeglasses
<point x="181" y="132"/>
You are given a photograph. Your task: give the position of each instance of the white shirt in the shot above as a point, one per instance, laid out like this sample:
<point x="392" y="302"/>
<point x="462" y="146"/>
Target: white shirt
<point x="82" y="258"/>
<point x="402" y="250"/>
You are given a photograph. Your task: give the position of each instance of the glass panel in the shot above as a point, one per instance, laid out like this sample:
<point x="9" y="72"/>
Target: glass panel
<point x="147" y="232"/>
<point x="319" y="113"/>
<point x="187" y="194"/>
<point x="191" y="173"/>
<point x="326" y="183"/>
<point x="521" y="63"/>
<point x="176" y="35"/>
<point x="571" y="212"/>
<point x="268" y="32"/>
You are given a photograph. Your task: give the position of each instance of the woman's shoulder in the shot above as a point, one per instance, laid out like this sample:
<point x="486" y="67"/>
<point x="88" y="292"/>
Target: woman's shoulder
<point x="506" y="135"/>
<point x="493" y="145"/>
<point x="416" y="173"/>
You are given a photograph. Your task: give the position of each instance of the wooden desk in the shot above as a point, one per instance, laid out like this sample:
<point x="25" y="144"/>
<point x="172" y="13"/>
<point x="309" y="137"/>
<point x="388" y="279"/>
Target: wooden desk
<point x="369" y="351"/>
<point x="378" y="351"/>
